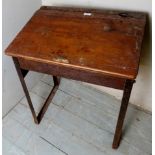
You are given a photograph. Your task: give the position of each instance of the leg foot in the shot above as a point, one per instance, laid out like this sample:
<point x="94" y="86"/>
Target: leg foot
<point x="122" y="113"/>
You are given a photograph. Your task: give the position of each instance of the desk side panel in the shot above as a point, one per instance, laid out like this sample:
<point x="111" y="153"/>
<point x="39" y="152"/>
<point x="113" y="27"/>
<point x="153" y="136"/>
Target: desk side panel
<point x="73" y="73"/>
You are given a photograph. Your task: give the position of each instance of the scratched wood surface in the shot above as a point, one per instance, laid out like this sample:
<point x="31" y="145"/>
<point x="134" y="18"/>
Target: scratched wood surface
<point x="107" y="42"/>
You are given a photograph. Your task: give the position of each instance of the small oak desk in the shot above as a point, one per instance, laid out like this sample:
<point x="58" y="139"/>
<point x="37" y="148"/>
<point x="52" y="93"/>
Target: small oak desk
<point x="96" y="46"/>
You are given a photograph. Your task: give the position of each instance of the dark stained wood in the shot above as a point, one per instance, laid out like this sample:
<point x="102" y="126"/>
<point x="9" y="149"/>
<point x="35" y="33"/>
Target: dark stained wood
<point x="37" y="119"/>
<point x="122" y="113"/>
<point x="96" y="46"/>
<point x="107" y="42"/>
<point x="21" y="77"/>
<point x="56" y="80"/>
<point x="47" y="103"/>
<point x="24" y="72"/>
<point x="73" y="73"/>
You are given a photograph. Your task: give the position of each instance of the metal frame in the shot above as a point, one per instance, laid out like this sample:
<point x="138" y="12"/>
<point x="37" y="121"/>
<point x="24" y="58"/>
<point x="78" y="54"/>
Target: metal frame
<point x="21" y="74"/>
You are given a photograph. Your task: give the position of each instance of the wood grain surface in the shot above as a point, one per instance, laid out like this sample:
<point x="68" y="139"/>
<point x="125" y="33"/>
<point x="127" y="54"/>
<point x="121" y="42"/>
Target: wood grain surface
<point x="101" y="41"/>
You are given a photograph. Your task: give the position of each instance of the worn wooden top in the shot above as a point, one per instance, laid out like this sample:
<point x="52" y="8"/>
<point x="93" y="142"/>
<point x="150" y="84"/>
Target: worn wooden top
<point x="106" y="42"/>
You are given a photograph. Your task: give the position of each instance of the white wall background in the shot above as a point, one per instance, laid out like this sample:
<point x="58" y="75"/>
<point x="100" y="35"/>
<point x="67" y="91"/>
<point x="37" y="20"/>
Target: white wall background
<point x="142" y="91"/>
<point x="15" y="14"/>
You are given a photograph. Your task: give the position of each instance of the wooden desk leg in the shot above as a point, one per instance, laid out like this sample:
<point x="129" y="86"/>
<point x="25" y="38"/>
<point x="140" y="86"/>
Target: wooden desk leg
<point x="123" y="109"/>
<point x="21" y="74"/>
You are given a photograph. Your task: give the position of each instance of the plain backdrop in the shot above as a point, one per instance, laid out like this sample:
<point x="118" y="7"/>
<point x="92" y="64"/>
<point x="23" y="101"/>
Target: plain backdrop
<point x="15" y="14"/>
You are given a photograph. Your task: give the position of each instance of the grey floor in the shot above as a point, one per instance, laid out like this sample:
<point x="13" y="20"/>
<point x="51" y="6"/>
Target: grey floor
<point x="80" y="121"/>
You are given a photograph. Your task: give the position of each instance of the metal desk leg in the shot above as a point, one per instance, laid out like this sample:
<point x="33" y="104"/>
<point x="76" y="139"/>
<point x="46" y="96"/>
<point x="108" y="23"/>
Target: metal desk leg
<point x="123" y="109"/>
<point x="21" y="74"/>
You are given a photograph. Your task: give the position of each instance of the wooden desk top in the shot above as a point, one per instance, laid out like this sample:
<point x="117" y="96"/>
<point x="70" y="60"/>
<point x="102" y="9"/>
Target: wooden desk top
<point x="106" y="42"/>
